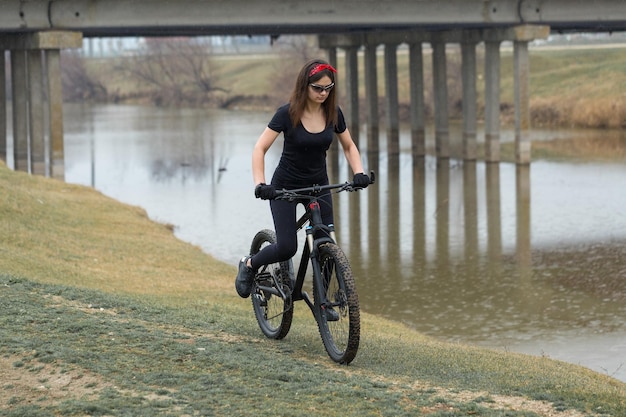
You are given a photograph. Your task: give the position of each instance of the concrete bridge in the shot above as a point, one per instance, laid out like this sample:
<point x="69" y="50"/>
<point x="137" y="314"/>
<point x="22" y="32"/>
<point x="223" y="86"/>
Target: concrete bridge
<point x="34" y="31"/>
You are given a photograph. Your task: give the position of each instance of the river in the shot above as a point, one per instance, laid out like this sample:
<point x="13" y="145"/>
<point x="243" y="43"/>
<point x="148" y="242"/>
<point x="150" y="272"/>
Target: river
<point x="525" y="259"/>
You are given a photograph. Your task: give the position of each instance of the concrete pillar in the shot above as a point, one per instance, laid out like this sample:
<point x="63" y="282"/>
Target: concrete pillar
<point x="521" y="35"/>
<point x="3" y="108"/>
<point x="20" y="114"/>
<point x="331" y="52"/>
<point x="391" y="98"/>
<point x="440" y="87"/>
<point x="352" y="91"/>
<point x="492" y="101"/>
<point x="371" y="96"/>
<point x="332" y="56"/>
<point x="28" y="52"/>
<point x="416" y="79"/>
<point x="468" y="75"/>
<point x="55" y="111"/>
<point x="36" y="112"/>
<point x="522" y="102"/>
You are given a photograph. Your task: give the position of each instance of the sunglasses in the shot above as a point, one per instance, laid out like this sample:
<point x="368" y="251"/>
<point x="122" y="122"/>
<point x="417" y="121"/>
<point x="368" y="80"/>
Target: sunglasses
<point x="319" y="88"/>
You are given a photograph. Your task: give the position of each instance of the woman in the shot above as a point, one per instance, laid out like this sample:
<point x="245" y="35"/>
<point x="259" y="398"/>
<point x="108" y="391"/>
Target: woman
<point x="308" y="123"/>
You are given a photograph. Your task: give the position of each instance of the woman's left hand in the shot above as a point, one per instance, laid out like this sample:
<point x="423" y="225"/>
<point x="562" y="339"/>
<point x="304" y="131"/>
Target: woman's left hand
<point x="360" y="180"/>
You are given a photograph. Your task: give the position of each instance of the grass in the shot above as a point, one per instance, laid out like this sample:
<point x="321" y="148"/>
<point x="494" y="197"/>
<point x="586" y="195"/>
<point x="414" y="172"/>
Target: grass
<point x="104" y="312"/>
<point x="570" y="87"/>
<point x="574" y="87"/>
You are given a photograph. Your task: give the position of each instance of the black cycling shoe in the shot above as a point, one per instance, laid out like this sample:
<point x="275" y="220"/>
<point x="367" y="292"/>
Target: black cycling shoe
<point x="245" y="278"/>
<point x="331" y="314"/>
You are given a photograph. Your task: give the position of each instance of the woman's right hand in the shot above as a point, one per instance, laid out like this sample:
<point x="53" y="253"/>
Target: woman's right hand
<point x="265" y="191"/>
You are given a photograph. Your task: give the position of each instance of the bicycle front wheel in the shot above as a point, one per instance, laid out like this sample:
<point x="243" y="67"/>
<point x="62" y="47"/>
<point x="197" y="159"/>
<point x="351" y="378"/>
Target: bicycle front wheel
<point x="271" y="294"/>
<point x="337" y="304"/>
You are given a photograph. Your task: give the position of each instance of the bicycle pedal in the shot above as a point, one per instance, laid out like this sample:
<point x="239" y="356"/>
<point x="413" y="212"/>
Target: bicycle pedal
<point x="331" y="314"/>
<point x="263" y="276"/>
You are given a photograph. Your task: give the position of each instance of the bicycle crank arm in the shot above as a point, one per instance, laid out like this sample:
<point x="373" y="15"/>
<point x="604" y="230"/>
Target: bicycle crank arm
<point x="272" y="290"/>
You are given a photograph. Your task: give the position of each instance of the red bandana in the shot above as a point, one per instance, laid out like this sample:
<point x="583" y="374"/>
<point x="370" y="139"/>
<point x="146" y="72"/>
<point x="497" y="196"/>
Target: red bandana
<point x="321" y="67"/>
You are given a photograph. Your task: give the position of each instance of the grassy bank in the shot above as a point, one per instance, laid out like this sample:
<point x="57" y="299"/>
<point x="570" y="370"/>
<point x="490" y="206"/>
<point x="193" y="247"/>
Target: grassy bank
<point x="570" y="87"/>
<point x="104" y="312"/>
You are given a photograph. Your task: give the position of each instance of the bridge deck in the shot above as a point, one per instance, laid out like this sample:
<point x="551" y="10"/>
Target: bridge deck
<point x="193" y="17"/>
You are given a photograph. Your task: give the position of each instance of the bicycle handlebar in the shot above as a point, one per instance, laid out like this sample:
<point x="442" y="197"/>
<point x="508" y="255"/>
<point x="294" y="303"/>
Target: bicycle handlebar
<point x="284" y="194"/>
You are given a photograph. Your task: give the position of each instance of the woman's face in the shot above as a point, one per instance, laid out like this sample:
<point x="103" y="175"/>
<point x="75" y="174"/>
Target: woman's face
<point x="319" y="90"/>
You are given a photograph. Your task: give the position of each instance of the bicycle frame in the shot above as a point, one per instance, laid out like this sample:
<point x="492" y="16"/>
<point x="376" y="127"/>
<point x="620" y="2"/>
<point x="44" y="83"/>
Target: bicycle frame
<point x="334" y="302"/>
<point x="309" y="252"/>
<point x="313" y="216"/>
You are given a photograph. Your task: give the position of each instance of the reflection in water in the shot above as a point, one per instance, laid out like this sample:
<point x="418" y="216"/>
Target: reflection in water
<point x="494" y="223"/>
<point x="459" y="281"/>
<point x="522" y="184"/>
<point x="515" y="257"/>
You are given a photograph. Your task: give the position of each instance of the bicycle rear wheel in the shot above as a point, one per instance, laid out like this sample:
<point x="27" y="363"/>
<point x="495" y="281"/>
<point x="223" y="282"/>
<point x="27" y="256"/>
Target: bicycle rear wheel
<point x="340" y="329"/>
<point x="271" y="294"/>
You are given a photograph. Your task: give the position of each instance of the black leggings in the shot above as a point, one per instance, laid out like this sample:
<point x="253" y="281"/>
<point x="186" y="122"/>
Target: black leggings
<point x="286" y="246"/>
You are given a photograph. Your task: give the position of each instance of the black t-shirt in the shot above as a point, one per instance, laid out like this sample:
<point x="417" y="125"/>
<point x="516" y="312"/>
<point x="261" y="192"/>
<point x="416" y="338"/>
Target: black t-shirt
<point x="303" y="161"/>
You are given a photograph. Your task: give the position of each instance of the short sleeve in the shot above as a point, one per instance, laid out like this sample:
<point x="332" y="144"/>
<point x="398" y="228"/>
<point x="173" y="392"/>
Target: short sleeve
<point x="340" y="127"/>
<point x="280" y="121"/>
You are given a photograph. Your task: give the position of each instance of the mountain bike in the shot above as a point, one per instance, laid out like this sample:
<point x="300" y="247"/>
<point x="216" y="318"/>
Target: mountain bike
<point x="335" y="303"/>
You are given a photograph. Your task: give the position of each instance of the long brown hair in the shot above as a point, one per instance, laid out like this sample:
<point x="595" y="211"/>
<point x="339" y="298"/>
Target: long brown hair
<point x="299" y="96"/>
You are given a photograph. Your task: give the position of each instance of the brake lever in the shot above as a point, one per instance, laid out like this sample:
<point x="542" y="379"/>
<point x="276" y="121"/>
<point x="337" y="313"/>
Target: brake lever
<point x="285" y="195"/>
<point x="372" y="177"/>
<point x="347" y="186"/>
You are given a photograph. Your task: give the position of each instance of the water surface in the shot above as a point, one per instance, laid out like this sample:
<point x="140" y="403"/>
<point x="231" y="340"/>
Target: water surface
<point x="527" y="259"/>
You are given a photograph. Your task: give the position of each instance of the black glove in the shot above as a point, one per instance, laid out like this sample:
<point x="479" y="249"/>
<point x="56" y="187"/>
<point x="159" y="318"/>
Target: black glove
<point x="264" y="191"/>
<point x="360" y="180"/>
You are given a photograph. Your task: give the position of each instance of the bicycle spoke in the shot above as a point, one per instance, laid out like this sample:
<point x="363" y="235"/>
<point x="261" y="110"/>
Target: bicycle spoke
<point x="339" y="316"/>
<point x="271" y="295"/>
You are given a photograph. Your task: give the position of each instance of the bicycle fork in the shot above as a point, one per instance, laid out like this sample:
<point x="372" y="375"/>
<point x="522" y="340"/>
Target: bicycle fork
<point x="313" y="245"/>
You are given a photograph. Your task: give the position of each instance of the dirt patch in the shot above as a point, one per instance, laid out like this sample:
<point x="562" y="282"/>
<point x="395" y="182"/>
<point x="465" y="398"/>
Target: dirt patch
<point x="504" y="402"/>
<point x="484" y="399"/>
<point x="44" y="384"/>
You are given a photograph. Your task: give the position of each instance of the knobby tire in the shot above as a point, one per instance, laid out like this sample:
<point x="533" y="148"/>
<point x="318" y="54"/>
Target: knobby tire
<point x="341" y="337"/>
<point x="273" y="313"/>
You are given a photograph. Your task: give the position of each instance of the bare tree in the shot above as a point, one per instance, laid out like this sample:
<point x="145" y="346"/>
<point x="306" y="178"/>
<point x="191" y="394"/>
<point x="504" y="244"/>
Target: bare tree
<point x="295" y="51"/>
<point x="174" y="70"/>
<point x="78" y="83"/>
